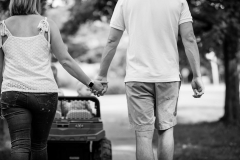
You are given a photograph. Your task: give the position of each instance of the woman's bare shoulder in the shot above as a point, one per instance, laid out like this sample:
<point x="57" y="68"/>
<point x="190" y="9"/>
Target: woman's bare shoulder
<point x="53" y="26"/>
<point x="19" y="24"/>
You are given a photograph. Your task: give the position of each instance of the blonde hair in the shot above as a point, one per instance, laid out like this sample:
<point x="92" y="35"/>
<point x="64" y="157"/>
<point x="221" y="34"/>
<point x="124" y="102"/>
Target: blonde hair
<point x="24" y="7"/>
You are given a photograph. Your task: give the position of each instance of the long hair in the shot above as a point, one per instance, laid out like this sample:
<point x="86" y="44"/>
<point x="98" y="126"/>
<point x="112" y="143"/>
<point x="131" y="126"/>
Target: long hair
<point x="24" y="7"/>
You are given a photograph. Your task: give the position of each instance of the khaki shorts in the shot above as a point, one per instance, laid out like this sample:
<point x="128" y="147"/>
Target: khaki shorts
<point x="152" y="105"/>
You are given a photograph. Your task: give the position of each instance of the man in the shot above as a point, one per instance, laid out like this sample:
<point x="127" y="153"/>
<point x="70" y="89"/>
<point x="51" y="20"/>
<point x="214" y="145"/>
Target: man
<point x="152" y="72"/>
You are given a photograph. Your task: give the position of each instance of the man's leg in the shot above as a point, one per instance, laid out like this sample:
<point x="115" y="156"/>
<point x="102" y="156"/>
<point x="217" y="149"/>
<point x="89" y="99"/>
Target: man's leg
<point x="165" y="144"/>
<point x="141" y="100"/>
<point x="166" y="117"/>
<point x="144" y="150"/>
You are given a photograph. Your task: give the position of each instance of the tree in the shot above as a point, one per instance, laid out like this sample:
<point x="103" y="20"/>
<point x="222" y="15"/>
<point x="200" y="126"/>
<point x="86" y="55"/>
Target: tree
<point x="217" y="27"/>
<point x="84" y="11"/>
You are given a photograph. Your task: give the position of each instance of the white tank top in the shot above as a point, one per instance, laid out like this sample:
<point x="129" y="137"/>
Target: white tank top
<point x="27" y="61"/>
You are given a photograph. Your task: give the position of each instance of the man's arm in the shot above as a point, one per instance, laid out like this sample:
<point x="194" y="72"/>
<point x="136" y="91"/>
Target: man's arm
<point x="109" y="50"/>
<point x="108" y="54"/>
<point x="191" y="49"/>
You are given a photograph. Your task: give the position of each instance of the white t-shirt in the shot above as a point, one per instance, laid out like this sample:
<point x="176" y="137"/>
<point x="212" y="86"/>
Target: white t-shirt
<point x="152" y="26"/>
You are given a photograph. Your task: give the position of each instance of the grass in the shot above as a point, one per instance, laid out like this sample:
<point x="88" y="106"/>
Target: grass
<point x="206" y="141"/>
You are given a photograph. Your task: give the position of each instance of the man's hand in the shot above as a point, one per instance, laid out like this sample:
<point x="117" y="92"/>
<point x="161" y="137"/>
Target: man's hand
<point x="197" y="86"/>
<point x="104" y="82"/>
<point x="97" y="88"/>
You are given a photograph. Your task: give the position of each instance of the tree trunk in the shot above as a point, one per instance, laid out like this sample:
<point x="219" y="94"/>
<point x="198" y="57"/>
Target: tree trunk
<point x="230" y="46"/>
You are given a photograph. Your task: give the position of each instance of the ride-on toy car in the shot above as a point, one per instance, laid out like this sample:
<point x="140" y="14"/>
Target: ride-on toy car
<point x="77" y="131"/>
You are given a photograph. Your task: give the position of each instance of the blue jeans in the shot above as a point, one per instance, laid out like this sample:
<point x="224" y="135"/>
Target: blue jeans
<point x="29" y="117"/>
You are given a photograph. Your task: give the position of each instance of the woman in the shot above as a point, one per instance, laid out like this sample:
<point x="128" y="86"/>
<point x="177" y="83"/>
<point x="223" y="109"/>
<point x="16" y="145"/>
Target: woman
<point x="29" y="91"/>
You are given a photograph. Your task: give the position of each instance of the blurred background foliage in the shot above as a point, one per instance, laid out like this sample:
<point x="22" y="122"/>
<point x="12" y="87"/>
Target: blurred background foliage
<point x="84" y="27"/>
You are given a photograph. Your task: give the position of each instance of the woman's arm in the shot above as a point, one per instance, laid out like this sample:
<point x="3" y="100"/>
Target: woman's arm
<point x="70" y="65"/>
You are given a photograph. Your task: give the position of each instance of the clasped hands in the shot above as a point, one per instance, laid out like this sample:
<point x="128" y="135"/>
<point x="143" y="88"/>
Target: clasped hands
<point x="100" y="86"/>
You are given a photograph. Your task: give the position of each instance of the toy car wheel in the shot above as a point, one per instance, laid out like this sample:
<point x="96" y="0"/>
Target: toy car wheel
<point x="102" y="150"/>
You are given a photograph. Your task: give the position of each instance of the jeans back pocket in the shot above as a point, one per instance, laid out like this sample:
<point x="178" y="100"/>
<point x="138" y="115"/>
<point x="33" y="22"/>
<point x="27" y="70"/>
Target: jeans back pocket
<point x="8" y="98"/>
<point x="47" y="101"/>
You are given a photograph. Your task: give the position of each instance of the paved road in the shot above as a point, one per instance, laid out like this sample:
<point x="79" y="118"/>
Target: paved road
<point x="190" y="110"/>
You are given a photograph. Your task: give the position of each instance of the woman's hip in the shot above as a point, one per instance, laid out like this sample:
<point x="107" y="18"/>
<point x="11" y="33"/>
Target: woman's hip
<point x="44" y="103"/>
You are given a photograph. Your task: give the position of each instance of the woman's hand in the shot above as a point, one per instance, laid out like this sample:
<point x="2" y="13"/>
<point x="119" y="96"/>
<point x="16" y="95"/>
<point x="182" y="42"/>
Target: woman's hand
<point x="104" y="82"/>
<point x="97" y="88"/>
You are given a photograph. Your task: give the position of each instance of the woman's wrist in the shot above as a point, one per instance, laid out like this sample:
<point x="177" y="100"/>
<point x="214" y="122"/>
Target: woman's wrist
<point x="86" y="81"/>
<point x="90" y="84"/>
